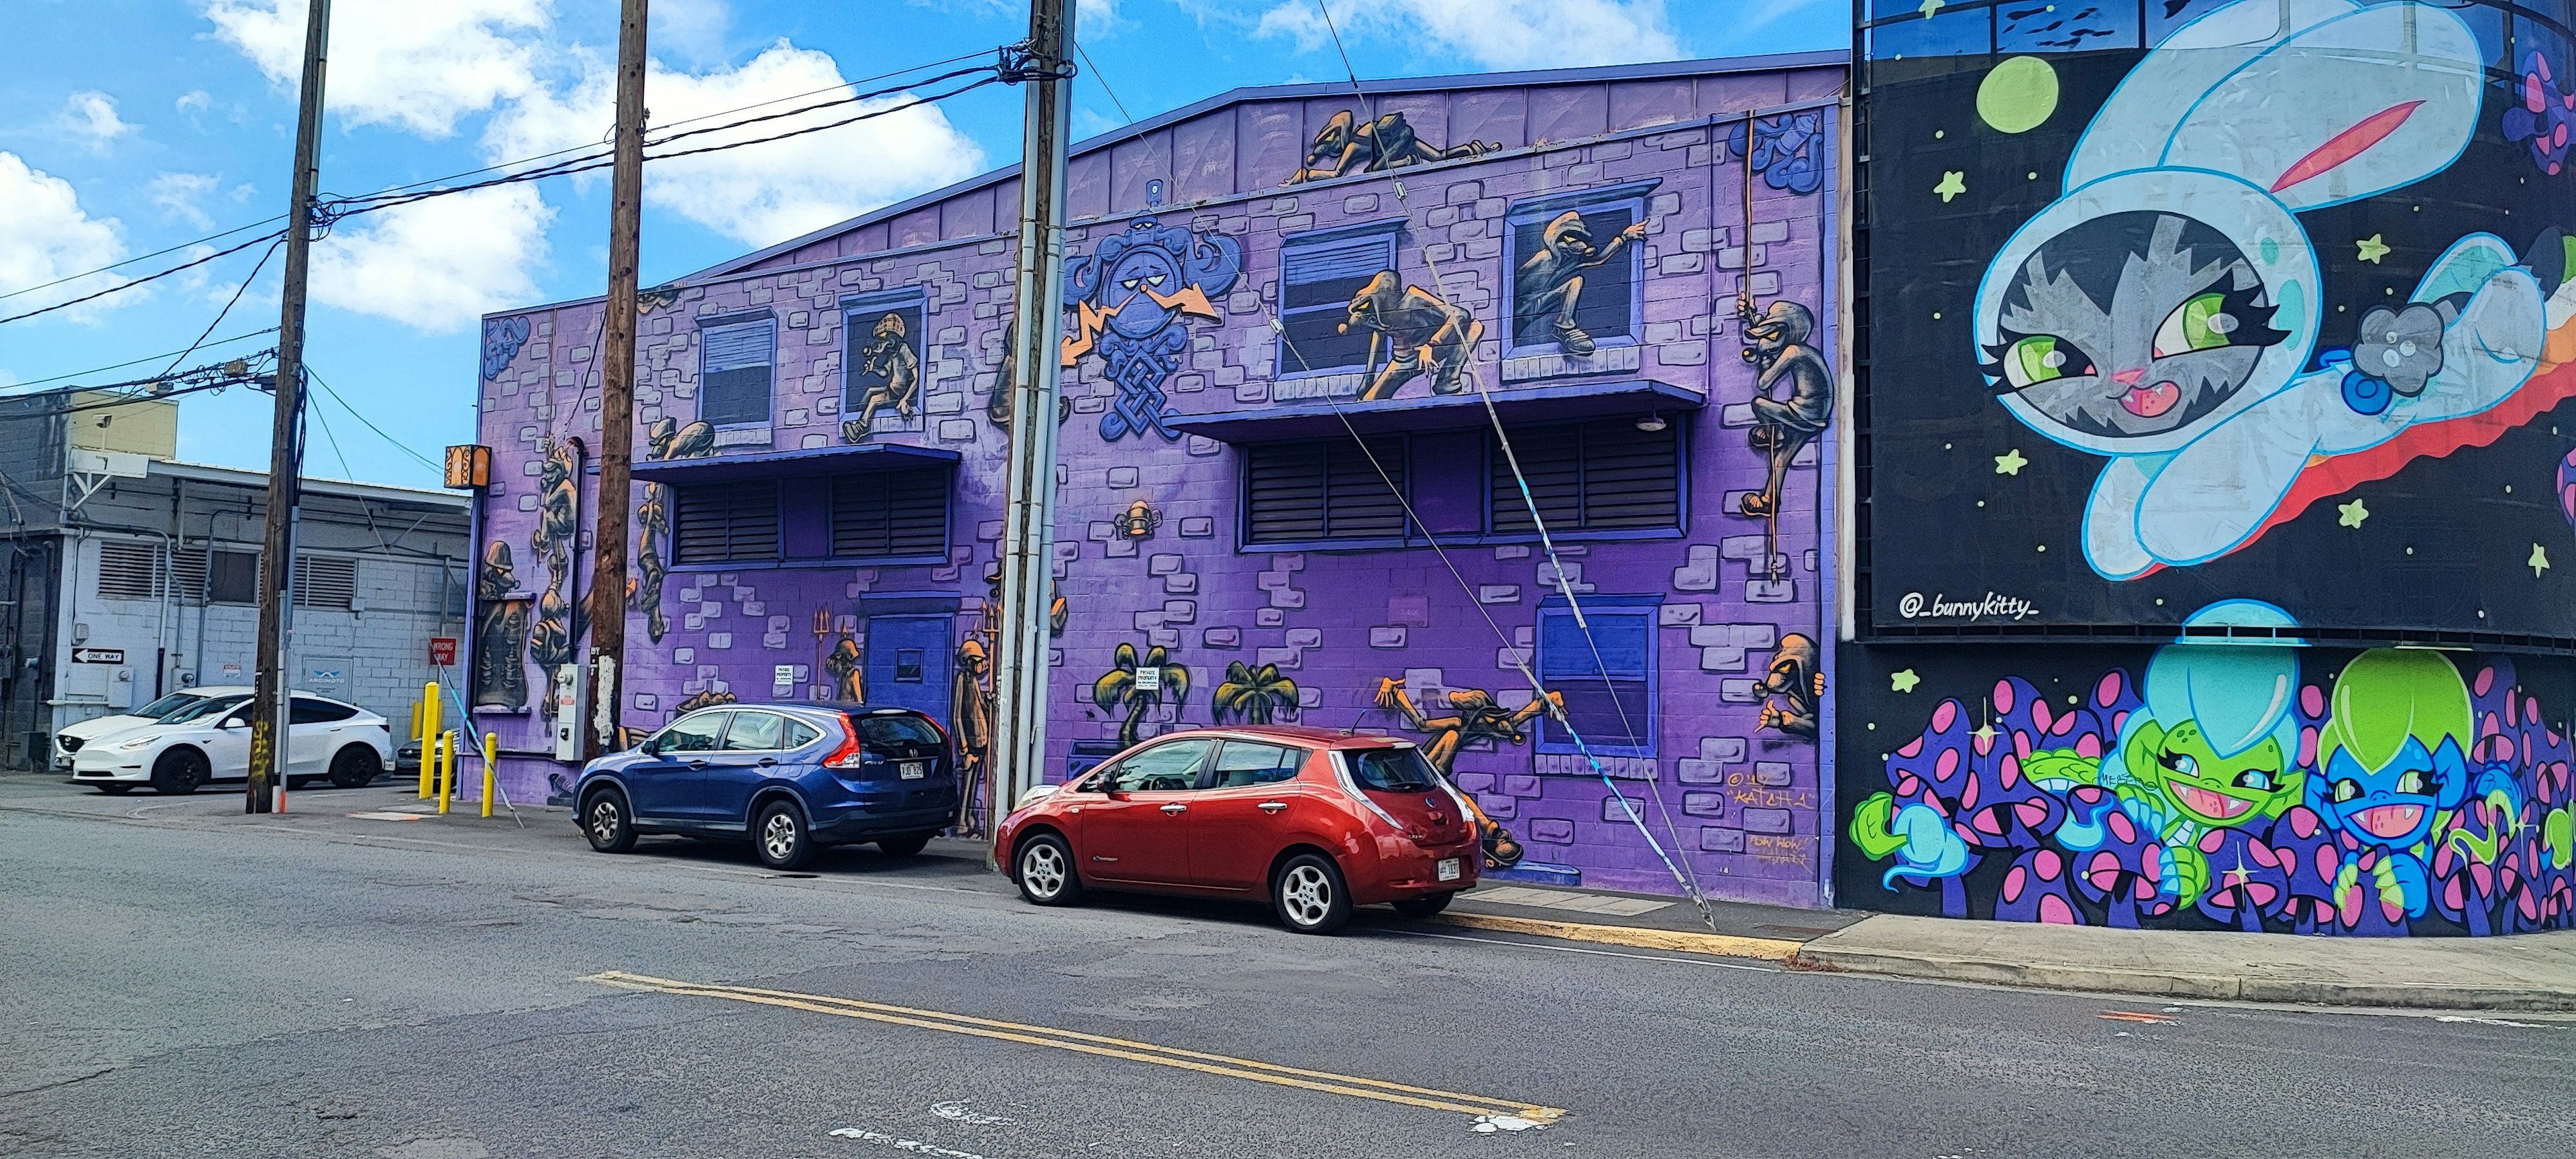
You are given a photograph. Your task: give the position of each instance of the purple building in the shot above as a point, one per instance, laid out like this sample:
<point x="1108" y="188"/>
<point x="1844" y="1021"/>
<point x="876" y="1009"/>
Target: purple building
<point x="1284" y="497"/>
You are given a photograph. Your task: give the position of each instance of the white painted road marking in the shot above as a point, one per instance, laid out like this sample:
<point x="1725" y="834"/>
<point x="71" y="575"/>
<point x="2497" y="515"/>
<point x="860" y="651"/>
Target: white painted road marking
<point x="956" y="1109"/>
<point x="915" y="1146"/>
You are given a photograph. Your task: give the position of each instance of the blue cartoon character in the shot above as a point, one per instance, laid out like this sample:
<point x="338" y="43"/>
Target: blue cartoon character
<point x="2392" y="763"/>
<point x="2164" y="311"/>
<point x="1129" y="297"/>
<point x="2216" y="746"/>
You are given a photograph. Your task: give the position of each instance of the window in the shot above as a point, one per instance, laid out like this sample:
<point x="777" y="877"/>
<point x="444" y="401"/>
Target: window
<point x="1392" y="770"/>
<point x="128" y="570"/>
<point x="311" y="710"/>
<point x="222" y="577"/>
<point x="734" y="372"/>
<point x="1583" y="290"/>
<point x="325" y="582"/>
<point x="206" y="709"/>
<point x="907" y="665"/>
<point x="897" y="731"/>
<point x="1607" y="676"/>
<point x="881" y="361"/>
<point x="1242" y="762"/>
<point x="796" y="734"/>
<point x="1602" y="475"/>
<point x="726" y="522"/>
<point x="696" y="734"/>
<point x="1160" y="769"/>
<point x="1327" y="489"/>
<point x="1318" y="275"/>
<point x="755" y="732"/>
<point x="891" y="513"/>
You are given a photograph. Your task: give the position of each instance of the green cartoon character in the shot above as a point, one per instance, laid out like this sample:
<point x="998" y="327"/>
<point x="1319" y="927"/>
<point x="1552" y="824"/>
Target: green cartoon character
<point x="2392" y="764"/>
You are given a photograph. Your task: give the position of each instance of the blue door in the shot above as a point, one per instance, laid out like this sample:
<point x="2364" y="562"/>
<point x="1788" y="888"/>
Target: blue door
<point x="910" y="662"/>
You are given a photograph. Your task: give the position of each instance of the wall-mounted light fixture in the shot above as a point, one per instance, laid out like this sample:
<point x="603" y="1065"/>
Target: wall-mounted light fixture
<point x="1139" y="521"/>
<point x="1653" y="423"/>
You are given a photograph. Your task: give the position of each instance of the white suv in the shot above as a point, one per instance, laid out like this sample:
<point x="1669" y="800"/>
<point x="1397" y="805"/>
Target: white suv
<point x="211" y="741"/>
<point x="71" y="738"/>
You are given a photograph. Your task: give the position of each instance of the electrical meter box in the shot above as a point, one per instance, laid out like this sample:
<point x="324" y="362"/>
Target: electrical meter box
<point x="570" y="682"/>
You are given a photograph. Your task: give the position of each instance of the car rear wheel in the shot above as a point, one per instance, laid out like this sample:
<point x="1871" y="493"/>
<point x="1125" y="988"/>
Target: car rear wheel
<point x="605" y="822"/>
<point x="115" y="790"/>
<point x="779" y="836"/>
<point x="179" y="772"/>
<point x="906" y="845"/>
<point x="355" y="767"/>
<point x="1310" y="896"/>
<point x="1045" y="871"/>
<point x="1423" y="907"/>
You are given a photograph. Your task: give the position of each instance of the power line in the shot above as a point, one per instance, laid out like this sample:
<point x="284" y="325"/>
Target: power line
<point x="398" y="444"/>
<point x="131" y="362"/>
<point x="120" y="287"/>
<point x="238" y="291"/>
<point x="140" y="257"/>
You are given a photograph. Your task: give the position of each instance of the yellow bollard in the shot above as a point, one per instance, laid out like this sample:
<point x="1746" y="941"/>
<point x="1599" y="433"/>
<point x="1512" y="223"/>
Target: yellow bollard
<point x="429" y="727"/>
<point x="446" y="770"/>
<point x="491" y="746"/>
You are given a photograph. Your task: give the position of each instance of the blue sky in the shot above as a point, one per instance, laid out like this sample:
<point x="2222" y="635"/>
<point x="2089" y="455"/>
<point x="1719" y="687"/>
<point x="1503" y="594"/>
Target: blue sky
<point x="128" y="126"/>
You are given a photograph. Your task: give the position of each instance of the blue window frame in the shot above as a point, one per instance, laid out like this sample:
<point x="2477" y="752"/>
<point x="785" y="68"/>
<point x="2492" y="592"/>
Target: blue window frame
<point x="884" y="362"/>
<point x="1606" y="675"/>
<point x="736" y="365"/>
<point x="1318" y="275"/>
<point x="1611" y="304"/>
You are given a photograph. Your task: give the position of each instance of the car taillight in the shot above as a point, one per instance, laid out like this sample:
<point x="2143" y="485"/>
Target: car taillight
<point x="849" y="755"/>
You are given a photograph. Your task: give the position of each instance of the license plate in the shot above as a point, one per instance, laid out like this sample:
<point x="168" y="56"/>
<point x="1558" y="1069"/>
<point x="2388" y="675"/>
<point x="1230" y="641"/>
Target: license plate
<point x="1449" y="869"/>
<point x="913" y="770"/>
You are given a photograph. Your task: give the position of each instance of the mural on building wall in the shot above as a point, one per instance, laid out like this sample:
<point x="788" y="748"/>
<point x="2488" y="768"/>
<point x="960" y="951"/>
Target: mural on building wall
<point x="665" y="440"/>
<point x="1005" y="372"/>
<point x="1137" y="683"/>
<point x="1254" y="695"/>
<point x="1789" y="150"/>
<point x="1473" y="719"/>
<point x="1793" y="400"/>
<point x="1792" y="688"/>
<point x="1547" y="289"/>
<point x="502" y="338"/>
<point x="550" y="639"/>
<point x="847" y="669"/>
<point x="1417" y="332"/>
<point x="884" y="373"/>
<point x="500" y="634"/>
<point x="2199" y="348"/>
<point x="971" y="706"/>
<point x="1130" y="297"/>
<point x="1347" y="145"/>
<point x="2386" y="795"/>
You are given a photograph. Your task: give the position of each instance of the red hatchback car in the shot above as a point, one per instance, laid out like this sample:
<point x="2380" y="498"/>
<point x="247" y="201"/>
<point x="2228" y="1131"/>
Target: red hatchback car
<point x="1314" y="820"/>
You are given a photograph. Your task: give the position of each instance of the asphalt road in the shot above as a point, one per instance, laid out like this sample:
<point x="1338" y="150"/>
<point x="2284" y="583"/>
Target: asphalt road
<point x="180" y="980"/>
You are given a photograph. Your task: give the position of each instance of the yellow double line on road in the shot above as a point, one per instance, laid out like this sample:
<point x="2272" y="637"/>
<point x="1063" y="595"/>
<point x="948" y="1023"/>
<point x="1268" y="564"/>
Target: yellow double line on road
<point x="1094" y="1044"/>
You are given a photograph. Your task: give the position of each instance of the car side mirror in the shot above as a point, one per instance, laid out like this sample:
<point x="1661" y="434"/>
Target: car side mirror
<point x="651" y="747"/>
<point x="234" y="722"/>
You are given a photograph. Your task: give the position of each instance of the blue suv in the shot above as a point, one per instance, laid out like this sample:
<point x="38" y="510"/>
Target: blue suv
<point x="791" y="777"/>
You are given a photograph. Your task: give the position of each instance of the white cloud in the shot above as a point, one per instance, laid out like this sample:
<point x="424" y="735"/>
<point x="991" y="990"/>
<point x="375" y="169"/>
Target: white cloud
<point x="694" y="28"/>
<point x="765" y="193"/>
<point x="47" y="235"/>
<point x="417" y="64"/>
<point x="1501" y="34"/>
<point x="439" y="264"/>
<point x="194" y="102"/>
<point x="178" y="194"/>
<point x="91" y="116"/>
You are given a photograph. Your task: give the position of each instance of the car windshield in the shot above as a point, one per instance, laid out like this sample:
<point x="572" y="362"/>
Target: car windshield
<point x="169" y="704"/>
<point x="203" y="708"/>
<point x="1391" y="770"/>
<point x="896" y="730"/>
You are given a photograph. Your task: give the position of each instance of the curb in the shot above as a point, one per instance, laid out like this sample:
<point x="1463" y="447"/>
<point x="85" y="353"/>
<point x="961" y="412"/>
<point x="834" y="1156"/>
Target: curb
<point x="2175" y="984"/>
<point x="1684" y="941"/>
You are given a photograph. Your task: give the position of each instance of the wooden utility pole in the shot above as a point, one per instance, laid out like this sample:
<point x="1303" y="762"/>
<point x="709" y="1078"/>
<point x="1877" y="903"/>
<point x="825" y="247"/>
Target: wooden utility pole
<point x="273" y="701"/>
<point x="1028" y="519"/>
<point x="616" y="505"/>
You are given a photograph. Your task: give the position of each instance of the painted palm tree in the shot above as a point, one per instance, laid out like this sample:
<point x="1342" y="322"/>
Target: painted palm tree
<point x="1254" y="695"/>
<point x="1121" y="686"/>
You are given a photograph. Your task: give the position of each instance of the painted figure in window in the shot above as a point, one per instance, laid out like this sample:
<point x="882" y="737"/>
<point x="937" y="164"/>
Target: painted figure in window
<point x="1473" y="718"/>
<point x="972" y="701"/>
<point x="1792" y="688"/>
<point x="1347" y="145"/>
<point x="500" y="634"/>
<point x="1551" y="281"/>
<point x="1421" y="334"/>
<point x="1793" y="400"/>
<point x="667" y="439"/>
<point x="888" y="360"/>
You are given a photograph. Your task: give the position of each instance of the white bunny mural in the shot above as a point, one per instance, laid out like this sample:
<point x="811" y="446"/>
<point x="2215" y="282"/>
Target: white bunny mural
<point x="2165" y="311"/>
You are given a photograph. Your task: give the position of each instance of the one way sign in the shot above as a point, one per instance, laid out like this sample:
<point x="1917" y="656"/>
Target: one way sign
<point x="98" y="655"/>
